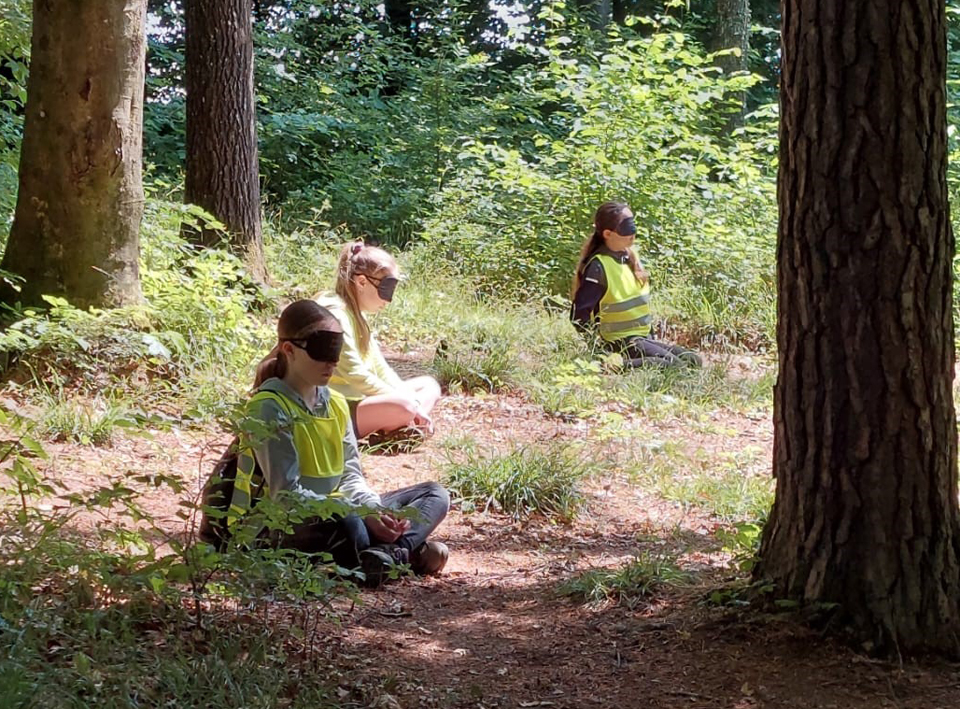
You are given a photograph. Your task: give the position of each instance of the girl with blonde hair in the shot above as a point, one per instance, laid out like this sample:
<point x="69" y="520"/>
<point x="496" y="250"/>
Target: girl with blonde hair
<point x="380" y="400"/>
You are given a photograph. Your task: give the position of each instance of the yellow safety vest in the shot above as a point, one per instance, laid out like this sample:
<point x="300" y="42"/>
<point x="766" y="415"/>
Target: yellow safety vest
<point x="625" y="307"/>
<point x="318" y="441"/>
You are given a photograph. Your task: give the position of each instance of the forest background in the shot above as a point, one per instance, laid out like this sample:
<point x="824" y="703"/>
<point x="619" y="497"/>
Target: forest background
<point x="476" y="140"/>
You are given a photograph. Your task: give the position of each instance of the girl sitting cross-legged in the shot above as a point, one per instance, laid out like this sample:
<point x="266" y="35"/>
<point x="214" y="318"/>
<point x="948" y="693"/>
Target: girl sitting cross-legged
<point x="611" y="290"/>
<point x="380" y="401"/>
<point x="310" y="451"/>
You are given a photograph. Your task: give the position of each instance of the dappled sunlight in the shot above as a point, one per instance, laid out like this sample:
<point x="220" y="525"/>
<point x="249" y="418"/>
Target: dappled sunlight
<point x="607" y="508"/>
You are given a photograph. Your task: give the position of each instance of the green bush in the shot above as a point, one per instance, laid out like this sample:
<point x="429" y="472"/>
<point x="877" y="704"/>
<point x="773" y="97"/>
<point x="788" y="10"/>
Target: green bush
<point x="640" y="124"/>
<point x="523" y="482"/>
<point x="194" y="339"/>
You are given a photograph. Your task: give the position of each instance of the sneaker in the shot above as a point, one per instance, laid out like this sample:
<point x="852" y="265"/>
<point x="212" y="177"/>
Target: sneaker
<point x="429" y="558"/>
<point x="380" y="562"/>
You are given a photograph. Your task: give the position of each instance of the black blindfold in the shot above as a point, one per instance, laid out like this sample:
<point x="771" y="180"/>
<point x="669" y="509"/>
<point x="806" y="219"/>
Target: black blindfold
<point x="627" y="227"/>
<point x="322" y="346"/>
<point x="385" y="287"/>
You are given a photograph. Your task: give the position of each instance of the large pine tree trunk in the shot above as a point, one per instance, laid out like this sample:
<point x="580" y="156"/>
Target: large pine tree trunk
<point x="222" y="163"/>
<point x="732" y="31"/>
<point x="865" y="444"/>
<point x="76" y="228"/>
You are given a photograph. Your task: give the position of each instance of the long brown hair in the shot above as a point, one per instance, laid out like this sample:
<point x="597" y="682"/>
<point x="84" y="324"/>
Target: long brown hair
<point x="608" y="216"/>
<point x="356" y="259"/>
<point x="299" y="319"/>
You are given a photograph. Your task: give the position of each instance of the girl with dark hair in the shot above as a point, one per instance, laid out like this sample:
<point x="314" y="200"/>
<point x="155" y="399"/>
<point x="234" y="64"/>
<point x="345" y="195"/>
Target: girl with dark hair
<point x="380" y="401"/>
<point x="311" y="453"/>
<point x="611" y="290"/>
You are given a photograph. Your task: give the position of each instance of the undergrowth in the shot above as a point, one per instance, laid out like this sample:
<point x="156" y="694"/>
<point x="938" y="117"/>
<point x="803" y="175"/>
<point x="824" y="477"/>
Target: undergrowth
<point x="186" y="350"/>
<point x="121" y="611"/>
<point x="730" y="486"/>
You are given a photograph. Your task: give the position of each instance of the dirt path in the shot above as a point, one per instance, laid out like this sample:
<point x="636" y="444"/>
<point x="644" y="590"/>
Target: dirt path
<point x="493" y="632"/>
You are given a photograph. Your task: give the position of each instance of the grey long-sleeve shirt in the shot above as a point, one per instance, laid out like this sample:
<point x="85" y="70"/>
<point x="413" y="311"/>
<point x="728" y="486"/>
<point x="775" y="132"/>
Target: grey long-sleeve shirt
<point x="277" y="454"/>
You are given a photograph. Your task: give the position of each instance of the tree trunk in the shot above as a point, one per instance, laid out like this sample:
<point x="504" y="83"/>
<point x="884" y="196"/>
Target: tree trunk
<point x="222" y="165"/>
<point x="400" y="16"/>
<point x="865" y="441"/>
<point x="732" y="31"/>
<point x="76" y="227"/>
<point x="599" y="12"/>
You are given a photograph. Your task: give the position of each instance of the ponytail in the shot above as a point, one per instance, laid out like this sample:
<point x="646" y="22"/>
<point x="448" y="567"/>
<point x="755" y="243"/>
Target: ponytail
<point x="273" y="365"/>
<point x="346" y="269"/>
<point x="639" y="272"/>
<point x="589" y="248"/>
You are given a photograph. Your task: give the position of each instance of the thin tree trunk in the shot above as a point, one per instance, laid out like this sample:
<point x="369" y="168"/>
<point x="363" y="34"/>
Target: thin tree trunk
<point x="222" y="166"/>
<point x="600" y="12"/>
<point x="865" y="443"/>
<point x="732" y="31"/>
<point x="80" y="202"/>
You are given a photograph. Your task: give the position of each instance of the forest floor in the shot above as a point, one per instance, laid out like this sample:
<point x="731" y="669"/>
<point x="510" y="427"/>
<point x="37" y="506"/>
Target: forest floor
<point x="492" y="631"/>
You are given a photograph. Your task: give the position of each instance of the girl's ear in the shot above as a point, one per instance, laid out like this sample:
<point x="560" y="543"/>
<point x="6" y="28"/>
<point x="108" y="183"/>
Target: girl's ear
<point x="606" y="234"/>
<point x="360" y="279"/>
<point x="286" y="348"/>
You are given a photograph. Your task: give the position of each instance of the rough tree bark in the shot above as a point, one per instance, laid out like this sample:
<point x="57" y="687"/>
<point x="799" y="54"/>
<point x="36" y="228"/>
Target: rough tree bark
<point x="865" y="442"/>
<point x="80" y="201"/>
<point x="222" y="166"/>
<point x="732" y="31"/>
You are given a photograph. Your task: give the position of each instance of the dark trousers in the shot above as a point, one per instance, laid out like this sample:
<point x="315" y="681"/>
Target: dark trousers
<point x="645" y="352"/>
<point x="345" y="537"/>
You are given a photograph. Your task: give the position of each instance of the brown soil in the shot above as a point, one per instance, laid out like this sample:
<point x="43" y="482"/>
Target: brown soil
<point x="491" y="631"/>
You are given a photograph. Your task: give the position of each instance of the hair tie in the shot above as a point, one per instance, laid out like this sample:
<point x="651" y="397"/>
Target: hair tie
<point x="355" y="249"/>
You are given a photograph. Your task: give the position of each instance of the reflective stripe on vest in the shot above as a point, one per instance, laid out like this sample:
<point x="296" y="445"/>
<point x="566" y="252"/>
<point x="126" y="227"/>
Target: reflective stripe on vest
<point x="625" y="307"/>
<point x="318" y="441"/>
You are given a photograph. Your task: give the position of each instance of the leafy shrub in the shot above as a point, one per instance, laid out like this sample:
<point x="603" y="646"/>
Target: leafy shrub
<point x="742" y="541"/>
<point x="639" y="126"/>
<point x="525" y="481"/>
<point x="196" y="335"/>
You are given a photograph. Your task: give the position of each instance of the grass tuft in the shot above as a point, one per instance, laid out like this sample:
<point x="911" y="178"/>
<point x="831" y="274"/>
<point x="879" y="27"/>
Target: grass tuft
<point x="630" y="585"/>
<point x="90" y="422"/>
<point x="523" y="482"/>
